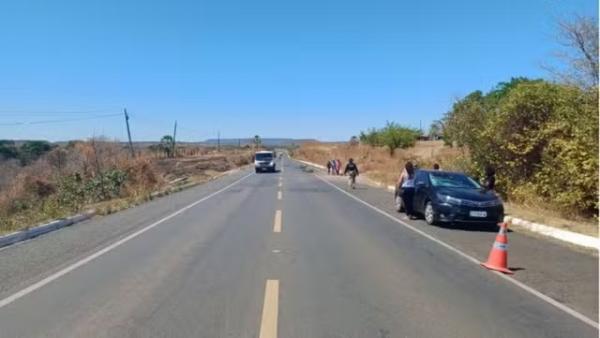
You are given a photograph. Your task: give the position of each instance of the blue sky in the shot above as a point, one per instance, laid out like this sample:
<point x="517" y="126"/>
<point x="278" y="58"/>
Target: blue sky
<point x="322" y="69"/>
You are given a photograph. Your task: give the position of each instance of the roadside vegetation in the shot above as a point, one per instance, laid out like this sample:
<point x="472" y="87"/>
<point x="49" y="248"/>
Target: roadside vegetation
<point x="392" y="136"/>
<point x="40" y="181"/>
<point x="540" y="136"/>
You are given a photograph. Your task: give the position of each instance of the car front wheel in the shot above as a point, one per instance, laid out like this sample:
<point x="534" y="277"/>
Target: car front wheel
<point x="430" y="217"/>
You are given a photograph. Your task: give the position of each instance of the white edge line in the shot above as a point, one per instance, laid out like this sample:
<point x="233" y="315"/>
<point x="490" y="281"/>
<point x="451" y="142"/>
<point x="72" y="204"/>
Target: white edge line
<point x="585" y="241"/>
<point x="525" y="287"/>
<point x="4" y="302"/>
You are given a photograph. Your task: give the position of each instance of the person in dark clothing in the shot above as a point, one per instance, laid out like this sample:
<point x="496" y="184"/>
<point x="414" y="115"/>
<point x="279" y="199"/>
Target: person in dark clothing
<point x="328" y="167"/>
<point x="351" y="169"/>
<point x="407" y="184"/>
<point x="436" y="166"/>
<point x="489" y="182"/>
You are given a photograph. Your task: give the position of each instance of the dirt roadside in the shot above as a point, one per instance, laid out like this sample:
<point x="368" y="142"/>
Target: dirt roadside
<point x="376" y="164"/>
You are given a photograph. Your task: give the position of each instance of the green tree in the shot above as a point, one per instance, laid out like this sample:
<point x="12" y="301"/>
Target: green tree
<point x="257" y="141"/>
<point x="166" y="144"/>
<point x="371" y="137"/>
<point x="30" y="151"/>
<point x="463" y="123"/>
<point x="396" y="136"/>
<point x="436" y="130"/>
<point x="8" y="149"/>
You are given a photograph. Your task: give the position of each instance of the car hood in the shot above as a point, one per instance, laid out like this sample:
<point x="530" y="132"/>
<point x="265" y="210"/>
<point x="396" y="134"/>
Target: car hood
<point x="478" y="195"/>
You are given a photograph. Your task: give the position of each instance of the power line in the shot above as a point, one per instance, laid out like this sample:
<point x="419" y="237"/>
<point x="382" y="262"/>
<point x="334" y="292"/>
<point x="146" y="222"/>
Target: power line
<point x="51" y="112"/>
<point x="61" y="120"/>
<point x="149" y="121"/>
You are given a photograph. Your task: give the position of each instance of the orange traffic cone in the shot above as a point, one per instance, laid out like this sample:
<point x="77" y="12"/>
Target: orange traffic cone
<point x="498" y="259"/>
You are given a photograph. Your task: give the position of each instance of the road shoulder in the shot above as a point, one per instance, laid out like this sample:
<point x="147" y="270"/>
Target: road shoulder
<point x="27" y="262"/>
<point x="567" y="275"/>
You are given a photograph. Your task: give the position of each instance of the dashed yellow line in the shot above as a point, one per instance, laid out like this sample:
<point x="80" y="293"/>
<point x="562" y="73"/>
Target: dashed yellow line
<point x="270" y="312"/>
<point x="277" y="221"/>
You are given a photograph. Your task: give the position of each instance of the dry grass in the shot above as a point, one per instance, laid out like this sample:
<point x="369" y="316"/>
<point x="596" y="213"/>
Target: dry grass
<point x="36" y="193"/>
<point x="552" y="218"/>
<point x="377" y="164"/>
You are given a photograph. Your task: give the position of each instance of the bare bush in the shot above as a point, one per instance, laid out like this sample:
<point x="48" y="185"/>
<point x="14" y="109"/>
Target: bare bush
<point x="91" y="173"/>
<point x="579" y="56"/>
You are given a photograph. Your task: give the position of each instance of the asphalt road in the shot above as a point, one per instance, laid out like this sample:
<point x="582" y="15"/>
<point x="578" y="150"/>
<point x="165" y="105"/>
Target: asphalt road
<point x="269" y="255"/>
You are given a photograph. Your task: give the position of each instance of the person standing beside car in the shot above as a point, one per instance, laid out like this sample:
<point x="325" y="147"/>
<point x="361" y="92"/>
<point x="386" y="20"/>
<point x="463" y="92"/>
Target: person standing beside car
<point x="489" y="181"/>
<point x="406" y="182"/>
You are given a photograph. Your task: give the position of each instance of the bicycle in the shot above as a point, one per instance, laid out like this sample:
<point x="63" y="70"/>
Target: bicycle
<point x="352" y="179"/>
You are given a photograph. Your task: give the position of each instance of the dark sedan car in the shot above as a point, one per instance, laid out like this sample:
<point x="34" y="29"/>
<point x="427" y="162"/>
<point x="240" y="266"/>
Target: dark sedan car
<point x="442" y="196"/>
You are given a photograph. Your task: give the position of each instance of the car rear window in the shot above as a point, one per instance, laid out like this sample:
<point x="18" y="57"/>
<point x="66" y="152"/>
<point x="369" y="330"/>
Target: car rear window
<point x="453" y="180"/>
<point x="264" y="157"/>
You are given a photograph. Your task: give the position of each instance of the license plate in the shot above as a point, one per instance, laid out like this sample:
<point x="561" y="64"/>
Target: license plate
<point x="478" y="213"/>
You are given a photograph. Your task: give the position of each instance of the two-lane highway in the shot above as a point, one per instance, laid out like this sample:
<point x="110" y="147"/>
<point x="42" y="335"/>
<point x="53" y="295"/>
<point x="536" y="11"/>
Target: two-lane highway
<point x="274" y="255"/>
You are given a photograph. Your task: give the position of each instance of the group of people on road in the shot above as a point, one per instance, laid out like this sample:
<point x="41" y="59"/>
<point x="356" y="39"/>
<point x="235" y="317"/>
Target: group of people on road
<point x="334" y="167"/>
<point x="406" y="182"/>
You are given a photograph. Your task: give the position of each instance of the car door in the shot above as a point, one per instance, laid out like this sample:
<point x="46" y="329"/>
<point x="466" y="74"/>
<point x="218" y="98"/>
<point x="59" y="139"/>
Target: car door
<point x="421" y="186"/>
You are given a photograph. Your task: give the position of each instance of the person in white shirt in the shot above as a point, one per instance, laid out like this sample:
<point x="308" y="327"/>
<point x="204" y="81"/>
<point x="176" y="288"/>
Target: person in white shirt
<point x="407" y="183"/>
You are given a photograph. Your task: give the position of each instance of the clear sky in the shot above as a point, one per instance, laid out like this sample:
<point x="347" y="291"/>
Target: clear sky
<point x="322" y="69"/>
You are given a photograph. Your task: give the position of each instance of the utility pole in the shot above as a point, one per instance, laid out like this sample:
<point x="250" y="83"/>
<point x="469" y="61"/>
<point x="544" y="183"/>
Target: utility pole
<point x="128" y="133"/>
<point x="174" y="134"/>
<point x="239" y="143"/>
<point x="218" y="141"/>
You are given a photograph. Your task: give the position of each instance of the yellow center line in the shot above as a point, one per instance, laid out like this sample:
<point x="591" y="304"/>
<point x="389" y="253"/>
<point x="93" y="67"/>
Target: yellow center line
<point x="268" y="324"/>
<point x="277" y="222"/>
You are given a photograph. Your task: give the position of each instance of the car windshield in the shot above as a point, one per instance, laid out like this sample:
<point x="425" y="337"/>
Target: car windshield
<point x="264" y="157"/>
<point x="452" y="180"/>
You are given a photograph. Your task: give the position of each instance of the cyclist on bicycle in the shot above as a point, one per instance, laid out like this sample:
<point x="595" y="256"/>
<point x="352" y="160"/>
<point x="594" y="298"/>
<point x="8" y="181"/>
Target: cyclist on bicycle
<point x="351" y="169"/>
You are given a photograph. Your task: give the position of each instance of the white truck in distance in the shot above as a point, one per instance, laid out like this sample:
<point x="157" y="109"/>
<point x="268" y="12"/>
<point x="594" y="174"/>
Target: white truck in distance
<point x="264" y="161"/>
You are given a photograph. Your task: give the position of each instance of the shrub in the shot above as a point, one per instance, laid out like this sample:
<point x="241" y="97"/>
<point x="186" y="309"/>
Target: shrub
<point x="392" y="136"/>
<point x="541" y="137"/>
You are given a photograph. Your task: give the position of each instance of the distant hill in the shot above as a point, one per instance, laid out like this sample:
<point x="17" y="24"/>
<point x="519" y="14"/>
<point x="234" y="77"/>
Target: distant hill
<point x="269" y="142"/>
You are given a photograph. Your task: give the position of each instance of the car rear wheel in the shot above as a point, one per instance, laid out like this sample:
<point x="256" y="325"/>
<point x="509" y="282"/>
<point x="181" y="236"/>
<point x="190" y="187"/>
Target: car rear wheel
<point x="398" y="204"/>
<point x="429" y="214"/>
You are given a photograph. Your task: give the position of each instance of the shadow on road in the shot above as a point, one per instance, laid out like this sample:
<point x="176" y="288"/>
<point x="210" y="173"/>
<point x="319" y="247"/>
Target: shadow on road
<point x="481" y="227"/>
<point x="515" y="269"/>
<point x="277" y="171"/>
